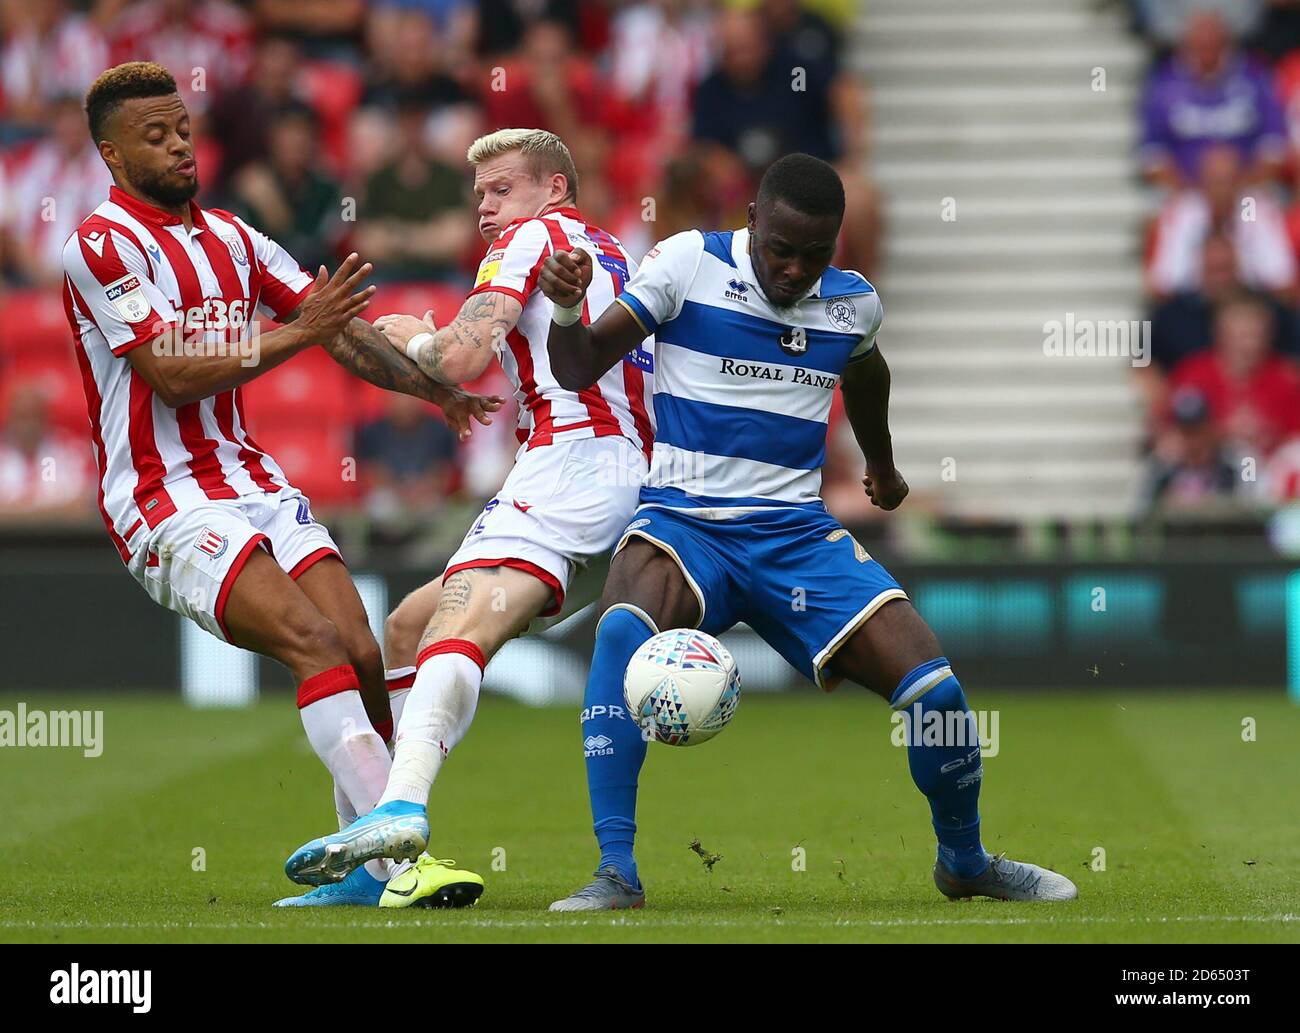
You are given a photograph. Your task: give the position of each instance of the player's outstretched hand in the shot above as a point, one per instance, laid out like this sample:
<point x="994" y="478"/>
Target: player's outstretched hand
<point x="565" y="277"/>
<point x="885" y="490"/>
<point x="399" y="328"/>
<point x="459" y="408"/>
<point x="335" y="300"/>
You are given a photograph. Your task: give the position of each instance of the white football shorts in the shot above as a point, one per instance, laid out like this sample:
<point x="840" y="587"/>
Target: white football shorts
<point x="562" y="505"/>
<point x="189" y="562"/>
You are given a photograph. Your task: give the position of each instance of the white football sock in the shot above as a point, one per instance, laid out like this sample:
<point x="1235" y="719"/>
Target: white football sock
<point x="341" y="734"/>
<point x="435" y="717"/>
<point x="343" y="808"/>
<point x="398" y="677"/>
<point x="399" y="681"/>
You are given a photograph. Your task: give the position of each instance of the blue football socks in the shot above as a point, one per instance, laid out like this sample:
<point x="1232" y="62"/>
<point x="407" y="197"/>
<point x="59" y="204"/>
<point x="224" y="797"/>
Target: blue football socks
<point x="943" y="754"/>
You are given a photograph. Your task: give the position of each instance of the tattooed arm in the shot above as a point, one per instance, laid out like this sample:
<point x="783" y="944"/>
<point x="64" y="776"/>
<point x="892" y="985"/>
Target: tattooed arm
<point x="462" y="350"/>
<point x="365" y="351"/>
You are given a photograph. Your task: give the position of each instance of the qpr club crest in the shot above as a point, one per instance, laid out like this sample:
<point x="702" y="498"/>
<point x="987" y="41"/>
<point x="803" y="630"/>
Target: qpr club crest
<point x="842" y="313"/>
<point x="794" y="341"/>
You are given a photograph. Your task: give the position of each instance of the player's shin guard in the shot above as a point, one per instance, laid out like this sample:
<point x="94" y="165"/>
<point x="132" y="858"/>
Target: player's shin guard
<point x="943" y="753"/>
<point x="435" y="717"/>
<point x="611" y="739"/>
<point x="334" y="717"/>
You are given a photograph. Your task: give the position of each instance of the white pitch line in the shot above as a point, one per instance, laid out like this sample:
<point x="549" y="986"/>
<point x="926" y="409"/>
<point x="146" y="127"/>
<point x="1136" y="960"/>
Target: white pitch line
<point x="653" y="921"/>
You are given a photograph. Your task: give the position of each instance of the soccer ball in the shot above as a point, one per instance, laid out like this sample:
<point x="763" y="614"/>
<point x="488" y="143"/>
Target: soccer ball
<point x="682" y="686"/>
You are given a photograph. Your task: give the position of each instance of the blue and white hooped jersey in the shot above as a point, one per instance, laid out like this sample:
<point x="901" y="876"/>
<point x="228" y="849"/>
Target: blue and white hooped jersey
<point x="742" y="389"/>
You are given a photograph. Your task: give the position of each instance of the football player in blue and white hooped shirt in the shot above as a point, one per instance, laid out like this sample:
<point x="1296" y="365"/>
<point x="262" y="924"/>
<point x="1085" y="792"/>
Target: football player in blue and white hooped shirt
<point x="753" y="331"/>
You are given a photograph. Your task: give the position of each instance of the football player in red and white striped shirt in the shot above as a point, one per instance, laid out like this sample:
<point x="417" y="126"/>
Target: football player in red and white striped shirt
<point x="162" y="298"/>
<point x="577" y="474"/>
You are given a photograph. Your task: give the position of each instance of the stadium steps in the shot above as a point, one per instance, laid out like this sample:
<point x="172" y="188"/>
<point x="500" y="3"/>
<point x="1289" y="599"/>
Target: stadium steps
<point x="990" y="103"/>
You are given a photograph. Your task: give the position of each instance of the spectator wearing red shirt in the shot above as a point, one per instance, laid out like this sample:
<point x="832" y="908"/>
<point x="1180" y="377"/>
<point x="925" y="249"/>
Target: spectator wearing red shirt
<point x="1252" y="392"/>
<point x="43" y="471"/>
<point x="207" y="45"/>
<point x="659" y="52"/>
<point x="1221" y="203"/>
<point x="548" y="86"/>
<point x="51" y="52"/>
<point x="57" y="185"/>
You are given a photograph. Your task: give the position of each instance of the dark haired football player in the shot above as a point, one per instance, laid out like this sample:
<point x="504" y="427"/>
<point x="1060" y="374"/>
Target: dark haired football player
<point x="162" y="297"/>
<point x="754" y="330"/>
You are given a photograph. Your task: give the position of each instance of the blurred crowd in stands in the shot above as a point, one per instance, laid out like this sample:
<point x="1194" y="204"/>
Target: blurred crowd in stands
<point x="343" y="124"/>
<point x="1219" y="125"/>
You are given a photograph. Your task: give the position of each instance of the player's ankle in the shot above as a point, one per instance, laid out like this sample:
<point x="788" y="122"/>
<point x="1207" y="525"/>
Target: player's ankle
<point x="622" y="863"/>
<point x="966" y="862"/>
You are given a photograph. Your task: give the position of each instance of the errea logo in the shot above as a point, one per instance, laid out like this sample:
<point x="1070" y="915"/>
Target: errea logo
<point x="93" y="986"/>
<point x="598" y="746"/>
<point x="737" y="290"/>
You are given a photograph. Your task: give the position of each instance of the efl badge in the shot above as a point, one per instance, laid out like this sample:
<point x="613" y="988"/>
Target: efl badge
<point x="842" y="313"/>
<point x="794" y="341"/>
<point x="128" y="298"/>
<point x="211" y="543"/>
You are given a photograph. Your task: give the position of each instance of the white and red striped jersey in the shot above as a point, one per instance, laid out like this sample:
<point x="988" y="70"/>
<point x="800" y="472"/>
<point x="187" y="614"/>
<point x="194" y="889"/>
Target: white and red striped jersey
<point x="618" y="403"/>
<point x="133" y="273"/>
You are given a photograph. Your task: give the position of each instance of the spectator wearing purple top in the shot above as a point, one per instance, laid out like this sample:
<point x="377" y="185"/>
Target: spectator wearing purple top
<point x="1205" y="95"/>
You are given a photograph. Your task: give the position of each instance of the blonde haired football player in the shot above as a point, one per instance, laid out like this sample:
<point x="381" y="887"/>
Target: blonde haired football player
<point x="582" y="456"/>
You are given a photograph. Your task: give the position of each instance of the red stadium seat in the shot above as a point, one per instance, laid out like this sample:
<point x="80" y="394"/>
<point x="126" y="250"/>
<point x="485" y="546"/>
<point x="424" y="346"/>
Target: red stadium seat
<point x="33" y="323"/>
<point x="310" y="390"/>
<point x="59" y="379"/>
<point x="372" y="402"/>
<point x="416" y="299"/>
<point x="333" y="91"/>
<point x="316" y="461"/>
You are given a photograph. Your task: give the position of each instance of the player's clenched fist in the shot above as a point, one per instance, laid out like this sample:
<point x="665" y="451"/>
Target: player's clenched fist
<point x="886" y="490"/>
<point x="335" y="300"/>
<point x="565" y="277"/>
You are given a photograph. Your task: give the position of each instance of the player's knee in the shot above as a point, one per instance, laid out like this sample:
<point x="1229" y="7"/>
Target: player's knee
<point x="313" y="638"/>
<point x="624" y="620"/>
<point x="402" y="630"/>
<point x="364" y="651"/>
<point x="931" y="685"/>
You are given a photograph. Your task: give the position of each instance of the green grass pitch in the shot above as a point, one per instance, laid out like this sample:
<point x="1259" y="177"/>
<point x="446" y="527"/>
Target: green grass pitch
<point x="1201" y="831"/>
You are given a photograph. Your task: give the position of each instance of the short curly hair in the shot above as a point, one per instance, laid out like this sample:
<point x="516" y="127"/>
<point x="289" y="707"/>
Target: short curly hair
<point x="807" y="184"/>
<point x="124" y="82"/>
